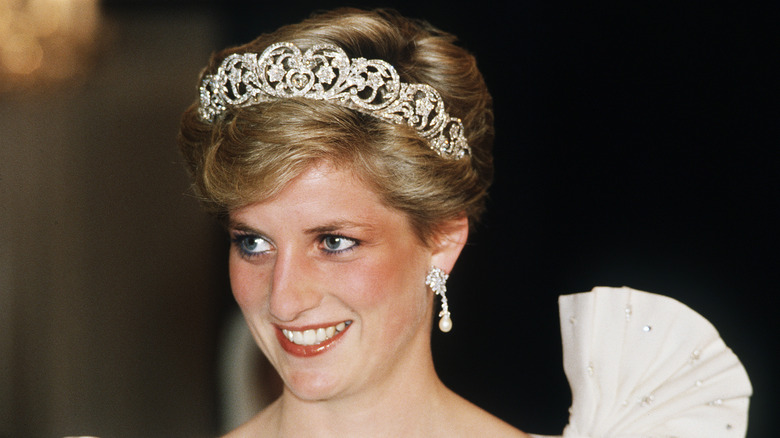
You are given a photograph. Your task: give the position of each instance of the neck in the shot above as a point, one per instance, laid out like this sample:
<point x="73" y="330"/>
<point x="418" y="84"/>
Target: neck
<point x="412" y="392"/>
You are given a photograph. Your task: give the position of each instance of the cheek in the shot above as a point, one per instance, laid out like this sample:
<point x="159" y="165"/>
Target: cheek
<point x="246" y="281"/>
<point x="395" y="287"/>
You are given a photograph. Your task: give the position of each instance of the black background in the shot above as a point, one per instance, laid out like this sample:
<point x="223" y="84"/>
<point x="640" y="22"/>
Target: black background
<point x="636" y="145"/>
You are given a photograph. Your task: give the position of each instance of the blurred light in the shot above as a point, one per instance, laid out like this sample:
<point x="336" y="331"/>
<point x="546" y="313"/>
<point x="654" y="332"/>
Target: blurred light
<point x="46" y="42"/>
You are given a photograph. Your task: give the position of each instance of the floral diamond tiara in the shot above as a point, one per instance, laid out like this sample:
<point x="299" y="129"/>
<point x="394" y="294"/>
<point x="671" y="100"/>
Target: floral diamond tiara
<point x="324" y="72"/>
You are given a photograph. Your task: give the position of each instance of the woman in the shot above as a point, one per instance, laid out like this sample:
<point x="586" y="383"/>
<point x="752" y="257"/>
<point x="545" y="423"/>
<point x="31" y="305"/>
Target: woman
<point x="339" y="213"/>
<point x="348" y="155"/>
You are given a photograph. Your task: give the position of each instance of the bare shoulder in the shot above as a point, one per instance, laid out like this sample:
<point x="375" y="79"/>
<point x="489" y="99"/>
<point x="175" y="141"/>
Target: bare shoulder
<point x="469" y="420"/>
<point x="490" y="426"/>
<point x="261" y="425"/>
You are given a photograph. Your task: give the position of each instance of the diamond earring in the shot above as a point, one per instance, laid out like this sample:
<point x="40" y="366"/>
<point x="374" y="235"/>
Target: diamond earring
<point x="437" y="280"/>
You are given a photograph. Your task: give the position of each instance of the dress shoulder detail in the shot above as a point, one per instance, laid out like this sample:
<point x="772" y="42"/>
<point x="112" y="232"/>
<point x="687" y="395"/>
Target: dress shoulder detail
<point x="645" y="365"/>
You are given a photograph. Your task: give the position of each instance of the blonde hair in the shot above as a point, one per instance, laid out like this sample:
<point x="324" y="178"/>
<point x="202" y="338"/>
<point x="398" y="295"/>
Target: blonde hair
<point x="253" y="152"/>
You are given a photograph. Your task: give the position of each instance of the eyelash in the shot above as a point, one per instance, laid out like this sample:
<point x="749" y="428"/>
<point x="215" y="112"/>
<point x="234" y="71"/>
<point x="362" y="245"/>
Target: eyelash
<point x="239" y="239"/>
<point x="322" y="239"/>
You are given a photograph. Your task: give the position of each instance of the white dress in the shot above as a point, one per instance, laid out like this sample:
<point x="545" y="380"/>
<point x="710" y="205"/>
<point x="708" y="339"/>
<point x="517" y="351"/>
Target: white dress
<point x="642" y="365"/>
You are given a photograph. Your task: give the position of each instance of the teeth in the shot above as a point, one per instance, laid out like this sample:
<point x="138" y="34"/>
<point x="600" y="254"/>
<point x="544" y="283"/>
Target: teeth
<point x="314" y="337"/>
<point x="309" y="337"/>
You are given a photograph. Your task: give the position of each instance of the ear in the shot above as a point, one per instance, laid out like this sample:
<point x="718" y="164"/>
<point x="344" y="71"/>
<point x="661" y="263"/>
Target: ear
<point x="448" y="243"/>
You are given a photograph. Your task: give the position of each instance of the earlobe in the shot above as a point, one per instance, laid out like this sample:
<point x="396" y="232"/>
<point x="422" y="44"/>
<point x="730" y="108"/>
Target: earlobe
<point x="449" y="242"/>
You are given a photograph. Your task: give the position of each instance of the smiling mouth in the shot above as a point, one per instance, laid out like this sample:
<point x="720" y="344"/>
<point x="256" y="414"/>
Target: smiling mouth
<point x="315" y="336"/>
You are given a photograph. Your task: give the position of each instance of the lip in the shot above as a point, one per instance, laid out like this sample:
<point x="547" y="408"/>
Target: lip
<point x="308" y="350"/>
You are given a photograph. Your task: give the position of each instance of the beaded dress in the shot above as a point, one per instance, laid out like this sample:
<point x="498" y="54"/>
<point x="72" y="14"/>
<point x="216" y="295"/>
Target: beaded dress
<point x="642" y="365"/>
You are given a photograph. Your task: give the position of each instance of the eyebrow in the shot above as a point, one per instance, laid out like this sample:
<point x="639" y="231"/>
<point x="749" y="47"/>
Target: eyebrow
<point x="337" y="226"/>
<point x="321" y="229"/>
<point x="241" y="226"/>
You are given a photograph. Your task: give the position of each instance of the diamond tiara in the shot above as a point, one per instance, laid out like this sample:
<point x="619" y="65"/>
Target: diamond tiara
<point x="325" y="72"/>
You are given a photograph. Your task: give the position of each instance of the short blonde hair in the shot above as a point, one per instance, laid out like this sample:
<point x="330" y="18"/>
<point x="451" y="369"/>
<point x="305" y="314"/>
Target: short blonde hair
<point x="253" y="152"/>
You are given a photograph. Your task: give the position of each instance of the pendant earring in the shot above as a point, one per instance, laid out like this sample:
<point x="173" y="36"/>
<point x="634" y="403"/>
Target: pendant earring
<point x="437" y="280"/>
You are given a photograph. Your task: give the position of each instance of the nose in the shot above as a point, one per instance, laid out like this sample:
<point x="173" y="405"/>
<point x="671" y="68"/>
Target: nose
<point x="293" y="286"/>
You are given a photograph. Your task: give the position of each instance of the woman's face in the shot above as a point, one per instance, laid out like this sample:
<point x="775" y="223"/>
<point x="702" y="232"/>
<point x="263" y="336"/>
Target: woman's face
<point x="332" y="285"/>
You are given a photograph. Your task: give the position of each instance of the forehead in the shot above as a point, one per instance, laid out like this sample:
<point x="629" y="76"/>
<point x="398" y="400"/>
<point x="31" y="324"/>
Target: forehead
<point x="323" y="184"/>
<point x="322" y="194"/>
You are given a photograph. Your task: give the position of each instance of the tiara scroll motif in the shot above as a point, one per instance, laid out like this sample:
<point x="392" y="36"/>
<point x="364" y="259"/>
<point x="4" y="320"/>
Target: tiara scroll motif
<point x="324" y="72"/>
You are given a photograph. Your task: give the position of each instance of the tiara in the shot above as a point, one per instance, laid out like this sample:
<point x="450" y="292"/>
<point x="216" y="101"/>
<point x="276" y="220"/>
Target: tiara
<point x="325" y="72"/>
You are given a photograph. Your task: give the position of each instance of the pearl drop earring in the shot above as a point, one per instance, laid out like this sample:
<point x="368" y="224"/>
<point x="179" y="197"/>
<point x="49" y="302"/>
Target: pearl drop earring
<point x="437" y="280"/>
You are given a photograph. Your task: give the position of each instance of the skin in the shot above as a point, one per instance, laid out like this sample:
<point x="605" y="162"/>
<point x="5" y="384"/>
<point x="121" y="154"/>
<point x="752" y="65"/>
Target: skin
<point x="326" y="250"/>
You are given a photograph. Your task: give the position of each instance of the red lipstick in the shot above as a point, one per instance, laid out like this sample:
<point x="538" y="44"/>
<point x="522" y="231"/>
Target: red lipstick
<point x="308" y="350"/>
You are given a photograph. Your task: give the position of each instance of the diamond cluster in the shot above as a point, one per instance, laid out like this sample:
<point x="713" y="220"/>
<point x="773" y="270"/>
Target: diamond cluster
<point x="437" y="280"/>
<point x="324" y="72"/>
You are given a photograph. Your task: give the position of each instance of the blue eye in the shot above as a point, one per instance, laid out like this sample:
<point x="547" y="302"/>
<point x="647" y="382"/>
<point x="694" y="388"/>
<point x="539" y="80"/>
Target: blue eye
<point x="250" y="245"/>
<point x="335" y="244"/>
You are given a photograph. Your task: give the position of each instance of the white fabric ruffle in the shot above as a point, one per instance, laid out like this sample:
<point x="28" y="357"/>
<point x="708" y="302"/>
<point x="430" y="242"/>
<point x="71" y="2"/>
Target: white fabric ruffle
<point x="642" y="365"/>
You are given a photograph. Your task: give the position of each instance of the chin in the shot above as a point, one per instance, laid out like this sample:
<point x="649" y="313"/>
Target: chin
<point x="312" y="385"/>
